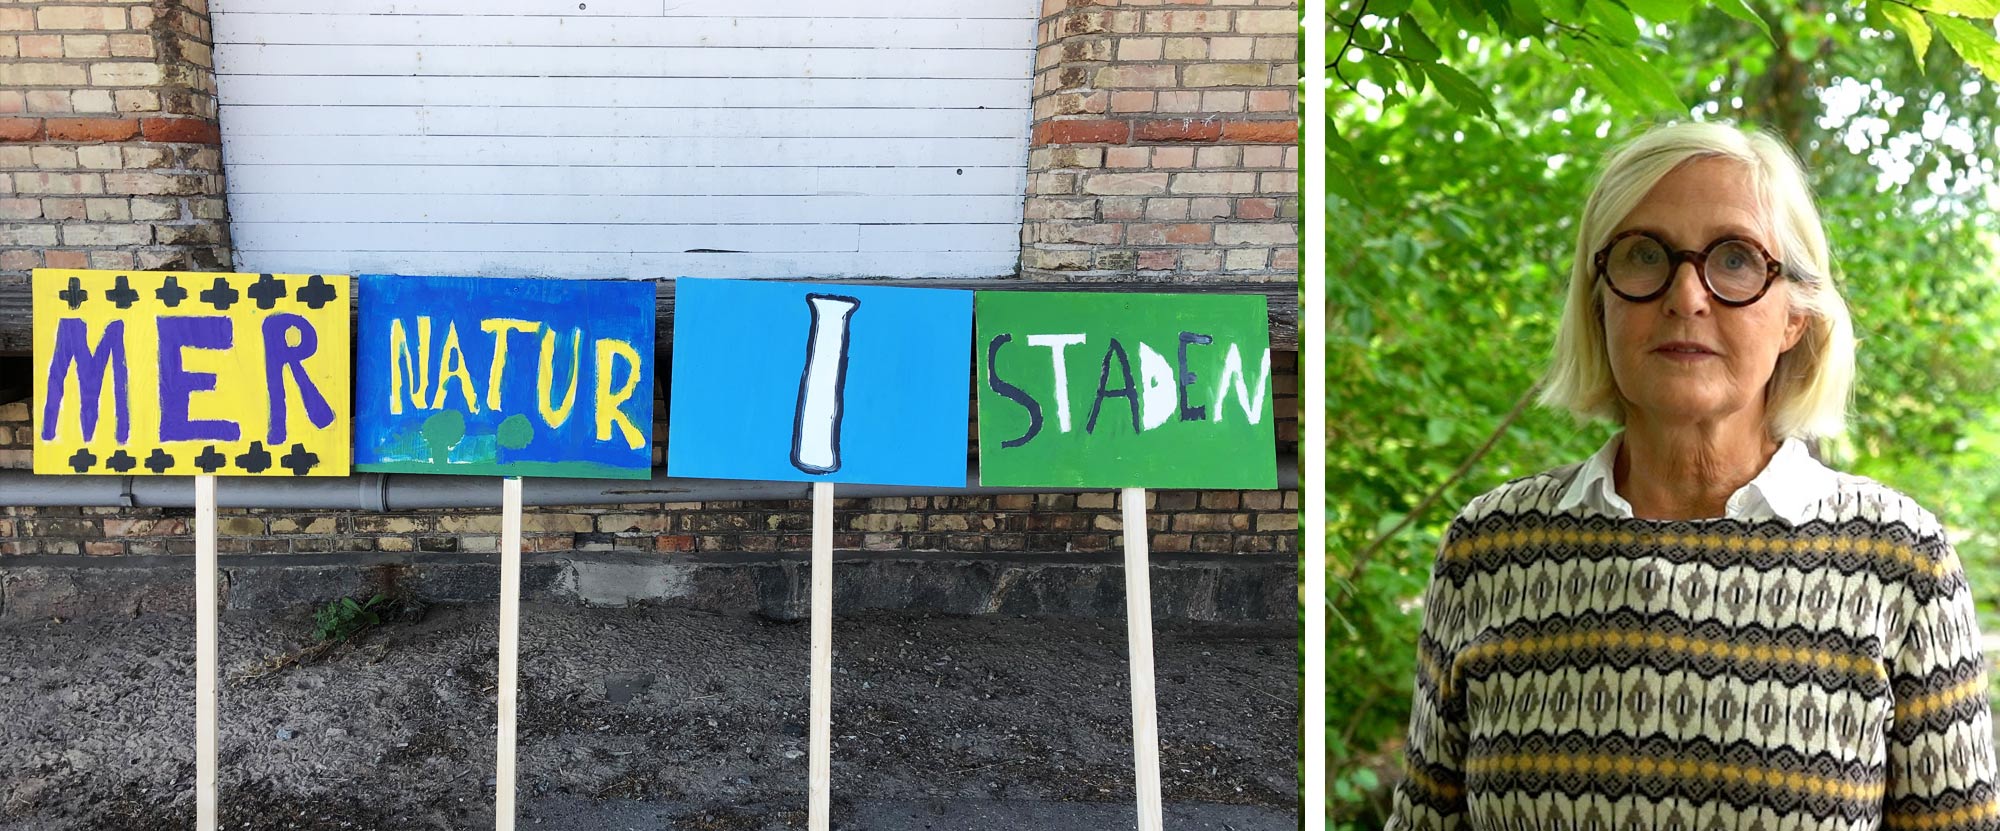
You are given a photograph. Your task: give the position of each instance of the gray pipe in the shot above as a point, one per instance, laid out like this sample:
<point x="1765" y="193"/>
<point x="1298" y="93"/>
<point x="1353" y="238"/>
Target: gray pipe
<point x="408" y="491"/>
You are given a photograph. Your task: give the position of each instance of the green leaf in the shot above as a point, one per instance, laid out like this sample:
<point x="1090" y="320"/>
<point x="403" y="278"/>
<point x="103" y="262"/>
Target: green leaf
<point x="1740" y="9"/>
<point x="1388" y="8"/>
<point x="1415" y="43"/>
<point x="1973" y="43"/>
<point x="1913" y="26"/>
<point x="1614" y="20"/>
<point x="1461" y="91"/>
<point x="1639" y="82"/>
<point x="1987" y="9"/>
<point x="1439" y="431"/>
<point x="1415" y="73"/>
<point x="1529" y="14"/>
<point x="1661" y="11"/>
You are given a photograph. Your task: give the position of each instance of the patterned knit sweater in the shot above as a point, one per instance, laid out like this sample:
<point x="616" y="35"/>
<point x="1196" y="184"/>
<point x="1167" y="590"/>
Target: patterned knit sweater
<point x="1589" y="673"/>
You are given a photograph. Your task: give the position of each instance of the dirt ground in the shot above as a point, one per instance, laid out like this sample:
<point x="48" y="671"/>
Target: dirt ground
<point x="647" y="718"/>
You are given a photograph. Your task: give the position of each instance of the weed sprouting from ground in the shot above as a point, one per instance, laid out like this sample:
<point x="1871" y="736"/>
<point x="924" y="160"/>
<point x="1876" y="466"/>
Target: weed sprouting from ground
<point x="340" y="624"/>
<point x="343" y="619"/>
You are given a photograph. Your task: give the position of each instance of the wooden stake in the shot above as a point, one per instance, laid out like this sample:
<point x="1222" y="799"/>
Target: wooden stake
<point x="510" y="649"/>
<point x="205" y="623"/>
<point x="821" y="767"/>
<point x="1139" y="629"/>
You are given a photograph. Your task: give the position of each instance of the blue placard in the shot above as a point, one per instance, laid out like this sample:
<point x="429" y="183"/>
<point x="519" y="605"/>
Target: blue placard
<point x="505" y="377"/>
<point x="806" y="382"/>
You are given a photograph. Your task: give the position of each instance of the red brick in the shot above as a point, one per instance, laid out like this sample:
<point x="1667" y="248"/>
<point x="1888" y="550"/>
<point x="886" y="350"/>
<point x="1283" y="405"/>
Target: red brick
<point x="92" y="129"/>
<point x="1178" y="130"/>
<point x="1082" y="131"/>
<point x="1256" y="209"/>
<point x="20" y="129"/>
<point x="1261" y="132"/>
<point x="68" y="259"/>
<point x="188" y="130"/>
<point x="675" y="542"/>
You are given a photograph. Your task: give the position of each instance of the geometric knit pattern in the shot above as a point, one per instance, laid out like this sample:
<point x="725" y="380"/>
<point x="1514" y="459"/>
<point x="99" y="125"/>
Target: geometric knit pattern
<point x="1579" y="672"/>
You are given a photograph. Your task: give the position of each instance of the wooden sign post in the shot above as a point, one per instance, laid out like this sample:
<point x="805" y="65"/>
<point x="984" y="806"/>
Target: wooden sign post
<point x="173" y="374"/>
<point x="509" y="378"/>
<point x="813" y="383"/>
<point x="1127" y="391"/>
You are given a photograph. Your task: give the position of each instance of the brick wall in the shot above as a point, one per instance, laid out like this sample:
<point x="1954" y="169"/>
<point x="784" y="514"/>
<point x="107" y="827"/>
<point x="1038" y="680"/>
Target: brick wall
<point x="1165" y="141"/>
<point x="110" y="153"/>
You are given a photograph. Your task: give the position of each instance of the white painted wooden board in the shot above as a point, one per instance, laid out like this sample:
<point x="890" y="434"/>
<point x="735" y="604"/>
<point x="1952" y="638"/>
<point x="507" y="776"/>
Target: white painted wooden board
<point x="663" y="210"/>
<point x="946" y="9"/>
<point x="613" y="265"/>
<point x="479" y="119"/>
<point x="627" y="138"/>
<point x="635" y="152"/>
<point x="623" y="180"/>
<point x="622" y="62"/>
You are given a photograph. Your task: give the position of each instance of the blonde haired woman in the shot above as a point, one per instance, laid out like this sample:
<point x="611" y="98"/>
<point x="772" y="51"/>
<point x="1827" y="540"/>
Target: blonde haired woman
<point x="1699" y="627"/>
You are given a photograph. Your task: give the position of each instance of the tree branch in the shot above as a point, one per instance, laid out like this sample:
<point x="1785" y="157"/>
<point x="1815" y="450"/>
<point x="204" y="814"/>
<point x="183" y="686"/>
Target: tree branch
<point x="1361" y="560"/>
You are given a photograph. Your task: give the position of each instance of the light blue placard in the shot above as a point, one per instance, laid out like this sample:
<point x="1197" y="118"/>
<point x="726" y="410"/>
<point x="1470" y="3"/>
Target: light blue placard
<point x="742" y="406"/>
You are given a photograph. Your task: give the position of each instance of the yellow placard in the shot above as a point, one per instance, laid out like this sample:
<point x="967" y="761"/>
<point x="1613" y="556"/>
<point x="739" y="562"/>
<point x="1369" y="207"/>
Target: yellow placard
<point x="143" y="373"/>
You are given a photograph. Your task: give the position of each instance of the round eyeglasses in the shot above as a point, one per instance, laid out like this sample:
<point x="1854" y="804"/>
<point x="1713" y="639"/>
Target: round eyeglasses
<point x="1640" y="267"/>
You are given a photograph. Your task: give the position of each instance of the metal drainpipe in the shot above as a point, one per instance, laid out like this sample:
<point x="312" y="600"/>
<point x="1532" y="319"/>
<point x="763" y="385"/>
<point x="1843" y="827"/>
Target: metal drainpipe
<point x="383" y="492"/>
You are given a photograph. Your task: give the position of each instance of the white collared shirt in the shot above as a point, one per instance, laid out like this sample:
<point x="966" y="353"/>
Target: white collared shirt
<point x="1786" y="489"/>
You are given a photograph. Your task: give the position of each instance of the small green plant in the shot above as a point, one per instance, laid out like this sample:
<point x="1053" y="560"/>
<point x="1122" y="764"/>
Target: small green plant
<point x="344" y="618"/>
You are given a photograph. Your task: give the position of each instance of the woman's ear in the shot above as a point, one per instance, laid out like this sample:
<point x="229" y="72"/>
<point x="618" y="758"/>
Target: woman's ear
<point x="1795" y="328"/>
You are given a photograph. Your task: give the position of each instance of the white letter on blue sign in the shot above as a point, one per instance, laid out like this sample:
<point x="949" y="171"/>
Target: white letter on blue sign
<point x="816" y="426"/>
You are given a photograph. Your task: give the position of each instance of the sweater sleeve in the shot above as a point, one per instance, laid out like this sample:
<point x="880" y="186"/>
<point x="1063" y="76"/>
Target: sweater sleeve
<point x="1941" y="773"/>
<point x="1431" y="796"/>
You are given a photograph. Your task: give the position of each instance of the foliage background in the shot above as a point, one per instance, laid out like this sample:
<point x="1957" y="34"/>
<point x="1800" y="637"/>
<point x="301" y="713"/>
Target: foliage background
<point x="1465" y="135"/>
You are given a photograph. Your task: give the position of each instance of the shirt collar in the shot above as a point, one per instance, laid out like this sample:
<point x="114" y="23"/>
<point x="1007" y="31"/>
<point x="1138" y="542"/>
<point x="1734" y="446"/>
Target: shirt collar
<point x="1786" y="489"/>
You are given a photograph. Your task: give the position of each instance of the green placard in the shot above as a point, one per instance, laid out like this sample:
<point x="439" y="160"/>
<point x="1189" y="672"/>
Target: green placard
<point x="1124" y="390"/>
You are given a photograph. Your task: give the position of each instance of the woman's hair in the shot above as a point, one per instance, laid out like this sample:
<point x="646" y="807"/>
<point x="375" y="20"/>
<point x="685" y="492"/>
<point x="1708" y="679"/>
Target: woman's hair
<point x="1808" y="392"/>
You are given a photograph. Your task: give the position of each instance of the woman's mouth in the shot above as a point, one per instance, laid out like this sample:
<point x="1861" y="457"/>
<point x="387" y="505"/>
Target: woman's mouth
<point x="1684" y="351"/>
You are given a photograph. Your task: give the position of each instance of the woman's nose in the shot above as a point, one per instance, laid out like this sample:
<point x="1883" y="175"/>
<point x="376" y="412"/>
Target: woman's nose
<point x="1686" y="296"/>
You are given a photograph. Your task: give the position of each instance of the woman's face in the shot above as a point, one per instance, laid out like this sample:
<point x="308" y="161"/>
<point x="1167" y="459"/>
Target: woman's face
<point x="1683" y="358"/>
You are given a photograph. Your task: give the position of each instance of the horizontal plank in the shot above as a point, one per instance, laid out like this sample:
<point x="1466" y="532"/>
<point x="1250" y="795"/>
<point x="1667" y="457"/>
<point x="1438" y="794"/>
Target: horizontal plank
<point x="452" y="30"/>
<point x="646" y="210"/>
<point x="815" y="9"/>
<point x="16" y="311"/>
<point x="434" y="180"/>
<point x="710" y="151"/>
<point x="638" y="266"/>
<point x="620" y="62"/>
<point x="516" y="238"/>
<point x="596" y="93"/>
<point x="631" y="122"/>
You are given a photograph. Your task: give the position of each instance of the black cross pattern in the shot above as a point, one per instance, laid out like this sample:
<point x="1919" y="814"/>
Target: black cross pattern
<point x="267" y="291"/>
<point x="299" y="461"/>
<point x="210" y="461"/>
<point x="257" y="460"/>
<point x="122" y="294"/>
<point x="82" y="460"/>
<point x="121" y="461"/>
<point x="74" y="295"/>
<point x="221" y="295"/>
<point x="159" y="461"/>
<point x="317" y="292"/>
<point x="171" y="294"/>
